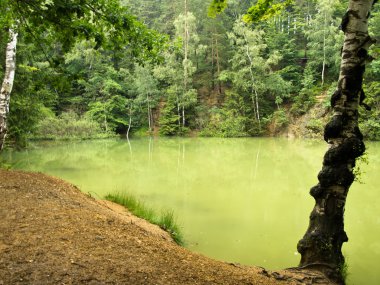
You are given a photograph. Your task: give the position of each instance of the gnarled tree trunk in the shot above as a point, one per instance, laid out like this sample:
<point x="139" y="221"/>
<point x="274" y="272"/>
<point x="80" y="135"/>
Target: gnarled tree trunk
<point x="321" y="245"/>
<point x="6" y="87"/>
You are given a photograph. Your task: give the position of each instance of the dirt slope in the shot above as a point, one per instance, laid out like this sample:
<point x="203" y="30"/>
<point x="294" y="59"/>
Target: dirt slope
<point x="51" y="233"/>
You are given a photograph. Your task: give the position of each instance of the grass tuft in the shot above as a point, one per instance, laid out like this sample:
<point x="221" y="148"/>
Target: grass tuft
<point x="166" y="220"/>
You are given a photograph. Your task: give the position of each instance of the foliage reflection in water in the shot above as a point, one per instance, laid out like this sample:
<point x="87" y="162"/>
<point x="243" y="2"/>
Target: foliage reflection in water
<point x="239" y="200"/>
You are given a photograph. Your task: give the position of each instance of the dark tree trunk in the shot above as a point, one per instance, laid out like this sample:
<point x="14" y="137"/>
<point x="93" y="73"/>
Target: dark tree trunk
<point x="320" y="247"/>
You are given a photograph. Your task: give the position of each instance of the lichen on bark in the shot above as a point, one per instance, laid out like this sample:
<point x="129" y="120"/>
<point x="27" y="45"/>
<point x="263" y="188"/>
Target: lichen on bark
<point x="321" y="245"/>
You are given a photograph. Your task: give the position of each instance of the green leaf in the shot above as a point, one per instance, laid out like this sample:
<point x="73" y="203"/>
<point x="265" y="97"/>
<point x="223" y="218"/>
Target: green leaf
<point x="265" y="9"/>
<point x="216" y="7"/>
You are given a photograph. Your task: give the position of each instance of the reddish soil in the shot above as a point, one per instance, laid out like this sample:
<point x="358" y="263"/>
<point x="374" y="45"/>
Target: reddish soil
<point x="51" y="233"/>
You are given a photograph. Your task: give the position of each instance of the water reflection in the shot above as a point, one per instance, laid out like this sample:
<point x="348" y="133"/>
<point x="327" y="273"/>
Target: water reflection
<point x="239" y="200"/>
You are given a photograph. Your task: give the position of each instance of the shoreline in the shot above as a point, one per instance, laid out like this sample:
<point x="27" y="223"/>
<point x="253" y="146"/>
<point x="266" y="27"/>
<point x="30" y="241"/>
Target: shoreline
<point x="51" y="233"/>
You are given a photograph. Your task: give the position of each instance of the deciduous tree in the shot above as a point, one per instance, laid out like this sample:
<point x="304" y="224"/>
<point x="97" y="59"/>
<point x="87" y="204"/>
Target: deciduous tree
<point x="105" y="21"/>
<point x="321" y="245"/>
<point x="6" y="87"/>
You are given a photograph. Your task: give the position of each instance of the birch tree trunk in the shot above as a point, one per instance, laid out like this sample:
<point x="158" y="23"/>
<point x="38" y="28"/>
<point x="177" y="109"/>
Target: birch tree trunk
<point x="324" y="50"/>
<point x="218" y="65"/>
<point x="320" y="247"/>
<point x="178" y="109"/>
<point x="253" y="89"/>
<point x="6" y="87"/>
<point x="149" y="113"/>
<point x="183" y="116"/>
<point x="185" y="61"/>
<point x="130" y="122"/>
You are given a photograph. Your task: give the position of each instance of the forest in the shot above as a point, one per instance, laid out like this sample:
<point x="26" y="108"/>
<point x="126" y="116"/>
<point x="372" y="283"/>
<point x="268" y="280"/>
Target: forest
<point x="207" y="76"/>
<point x="125" y="98"/>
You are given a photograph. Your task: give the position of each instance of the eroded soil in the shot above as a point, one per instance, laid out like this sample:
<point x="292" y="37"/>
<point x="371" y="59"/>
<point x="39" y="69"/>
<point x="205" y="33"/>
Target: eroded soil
<point x="51" y="233"/>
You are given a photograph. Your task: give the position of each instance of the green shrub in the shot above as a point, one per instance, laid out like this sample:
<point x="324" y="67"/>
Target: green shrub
<point x="371" y="129"/>
<point x="302" y="103"/>
<point x="315" y="125"/>
<point x="225" y="123"/>
<point x="369" y="120"/>
<point x="141" y="132"/>
<point x="68" y="126"/>
<point x="169" y="120"/>
<point x="280" y="119"/>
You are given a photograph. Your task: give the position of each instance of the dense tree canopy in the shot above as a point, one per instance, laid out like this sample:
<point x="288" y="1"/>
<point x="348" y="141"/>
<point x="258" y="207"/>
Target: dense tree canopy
<point x="50" y="29"/>
<point x="89" y="68"/>
<point x="220" y="76"/>
<point x="63" y="22"/>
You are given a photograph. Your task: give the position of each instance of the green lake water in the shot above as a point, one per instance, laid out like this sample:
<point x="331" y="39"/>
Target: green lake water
<point x="237" y="200"/>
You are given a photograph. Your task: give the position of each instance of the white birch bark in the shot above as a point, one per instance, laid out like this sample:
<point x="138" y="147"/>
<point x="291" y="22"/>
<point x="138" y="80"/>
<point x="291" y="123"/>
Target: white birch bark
<point x="185" y="61"/>
<point x="150" y="115"/>
<point x="178" y="109"/>
<point x="6" y="87"/>
<point x="130" y="122"/>
<point x="320" y="247"/>
<point x="183" y="116"/>
<point x="324" y="49"/>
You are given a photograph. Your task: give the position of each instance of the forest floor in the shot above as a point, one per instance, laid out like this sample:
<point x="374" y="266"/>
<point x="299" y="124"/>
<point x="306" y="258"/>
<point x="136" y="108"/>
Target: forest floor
<point x="51" y="233"/>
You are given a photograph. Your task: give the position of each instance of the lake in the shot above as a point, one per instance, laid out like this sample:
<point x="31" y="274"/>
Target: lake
<point x="237" y="200"/>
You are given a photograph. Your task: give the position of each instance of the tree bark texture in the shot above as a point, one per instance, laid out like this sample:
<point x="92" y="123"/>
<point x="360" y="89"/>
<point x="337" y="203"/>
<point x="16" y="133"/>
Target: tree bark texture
<point x="321" y="245"/>
<point x="324" y="50"/>
<point x="149" y="113"/>
<point x="6" y="87"/>
<point x="186" y="39"/>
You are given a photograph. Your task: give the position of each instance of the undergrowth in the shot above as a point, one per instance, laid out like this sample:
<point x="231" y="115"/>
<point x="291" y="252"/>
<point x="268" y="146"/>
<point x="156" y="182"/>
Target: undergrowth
<point x="69" y="126"/>
<point x="165" y="220"/>
<point x="5" y="165"/>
